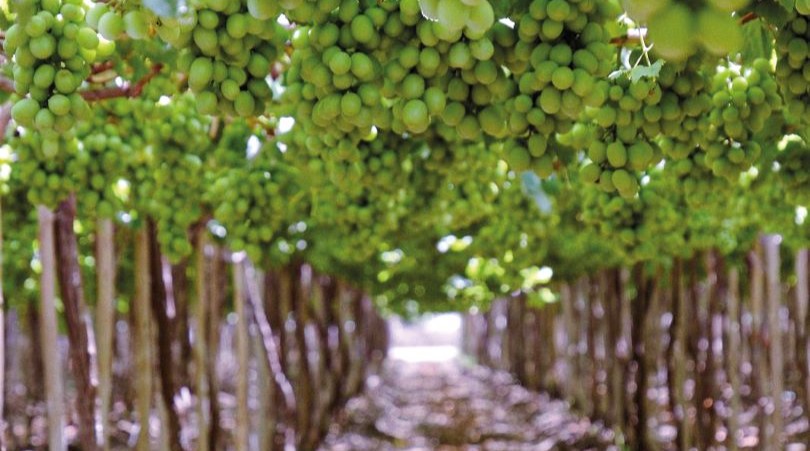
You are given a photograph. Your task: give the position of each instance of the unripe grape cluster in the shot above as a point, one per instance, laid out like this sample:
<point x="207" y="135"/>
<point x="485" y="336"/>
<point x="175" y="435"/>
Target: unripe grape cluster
<point x="559" y="62"/>
<point x="49" y="178"/>
<point x="51" y="50"/>
<point x="113" y="20"/>
<point x="228" y="51"/>
<point x="643" y="228"/>
<point x="255" y="200"/>
<point x="366" y="69"/>
<point x="685" y="99"/>
<point x="678" y="29"/>
<point x="102" y="156"/>
<point x="794" y="159"/>
<point x="456" y="186"/>
<point x="472" y="17"/>
<point x="519" y="239"/>
<point x="742" y="101"/>
<point x="164" y="145"/>
<point x="793" y="66"/>
<point x="624" y="144"/>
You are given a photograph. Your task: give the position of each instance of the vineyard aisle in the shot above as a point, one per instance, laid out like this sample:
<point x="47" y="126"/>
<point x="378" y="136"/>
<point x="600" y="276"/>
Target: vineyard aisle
<point x="448" y="405"/>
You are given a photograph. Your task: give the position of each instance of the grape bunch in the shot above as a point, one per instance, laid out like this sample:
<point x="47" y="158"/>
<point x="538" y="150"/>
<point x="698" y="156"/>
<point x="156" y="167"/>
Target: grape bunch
<point x="333" y="82"/>
<point x="559" y="63"/>
<point x="49" y="178"/>
<point x="364" y="203"/>
<point x="626" y="128"/>
<point x="642" y="228"/>
<point x="685" y="99"/>
<point x="793" y="66"/>
<point x="113" y="20"/>
<point x="368" y="68"/>
<point x="51" y="50"/>
<point x="678" y="29"/>
<point x="228" y="50"/>
<point x="255" y="200"/>
<point x="456" y="185"/>
<point x="466" y="97"/>
<point x="166" y="171"/>
<point x="742" y="101"/>
<point x="794" y="159"/>
<point x="518" y="240"/>
<point x="102" y="156"/>
<point x="472" y="17"/>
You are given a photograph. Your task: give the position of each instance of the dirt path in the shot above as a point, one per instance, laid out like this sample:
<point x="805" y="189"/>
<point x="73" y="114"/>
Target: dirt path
<point x="446" y="406"/>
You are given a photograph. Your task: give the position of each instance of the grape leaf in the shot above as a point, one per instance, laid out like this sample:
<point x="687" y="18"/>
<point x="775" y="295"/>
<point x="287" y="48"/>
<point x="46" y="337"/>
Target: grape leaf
<point x="508" y="8"/>
<point x="775" y="13"/>
<point x="166" y="8"/>
<point x="637" y="73"/>
<point x="756" y="41"/>
<point x="643" y="71"/>
<point x="788" y="4"/>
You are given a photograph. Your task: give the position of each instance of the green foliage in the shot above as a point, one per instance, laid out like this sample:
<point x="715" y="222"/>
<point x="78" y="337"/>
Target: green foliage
<point x="425" y="150"/>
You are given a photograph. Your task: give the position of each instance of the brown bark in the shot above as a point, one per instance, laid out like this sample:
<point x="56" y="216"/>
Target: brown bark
<point x="532" y="346"/>
<point x="35" y="389"/>
<point x="674" y="356"/>
<point x="321" y="286"/>
<point x="733" y="339"/>
<point x="163" y="313"/>
<point x="759" y="357"/>
<point x="2" y="342"/>
<point x="273" y="357"/>
<point x="515" y="330"/>
<point x="572" y="379"/>
<point x="217" y="283"/>
<point x="242" y="431"/>
<point x="597" y="347"/>
<point x="777" y="362"/>
<point x="640" y="309"/>
<point x="304" y="395"/>
<point x="616" y="392"/>
<point x="182" y="347"/>
<point x="803" y="322"/>
<point x="698" y="350"/>
<point x="201" y="383"/>
<point x="339" y="310"/>
<point x="79" y="328"/>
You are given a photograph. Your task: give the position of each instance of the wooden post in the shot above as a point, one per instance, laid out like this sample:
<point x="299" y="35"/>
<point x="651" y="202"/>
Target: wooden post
<point x="48" y="329"/>
<point x="770" y="244"/>
<point x="105" y="320"/>
<point x="142" y="338"/>
<point x="200" y="338"/>
<point x="2" y="340"/>
<point x="803" y="320"/>
<point x="242" y="356"/>
<point x="733" y="339"/>
<point x="82" y="349"/>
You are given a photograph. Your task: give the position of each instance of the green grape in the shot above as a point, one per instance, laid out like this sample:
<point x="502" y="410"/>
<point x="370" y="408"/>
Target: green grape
<point x="111" y="25"/>
<point x="678" y="30"/>
<point x="792" y="68"/>
<point x="52" y="52"/>
<point x="136" y="24"/>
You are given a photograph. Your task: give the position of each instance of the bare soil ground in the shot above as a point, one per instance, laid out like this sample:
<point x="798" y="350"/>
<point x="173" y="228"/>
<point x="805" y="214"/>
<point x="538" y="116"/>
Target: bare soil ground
<point x="448" y="406"/>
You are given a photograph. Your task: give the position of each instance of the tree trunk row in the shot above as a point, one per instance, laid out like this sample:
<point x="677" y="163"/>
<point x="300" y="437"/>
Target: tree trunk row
<point x="290" y="346"/>
<point x="668" y="357"/>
